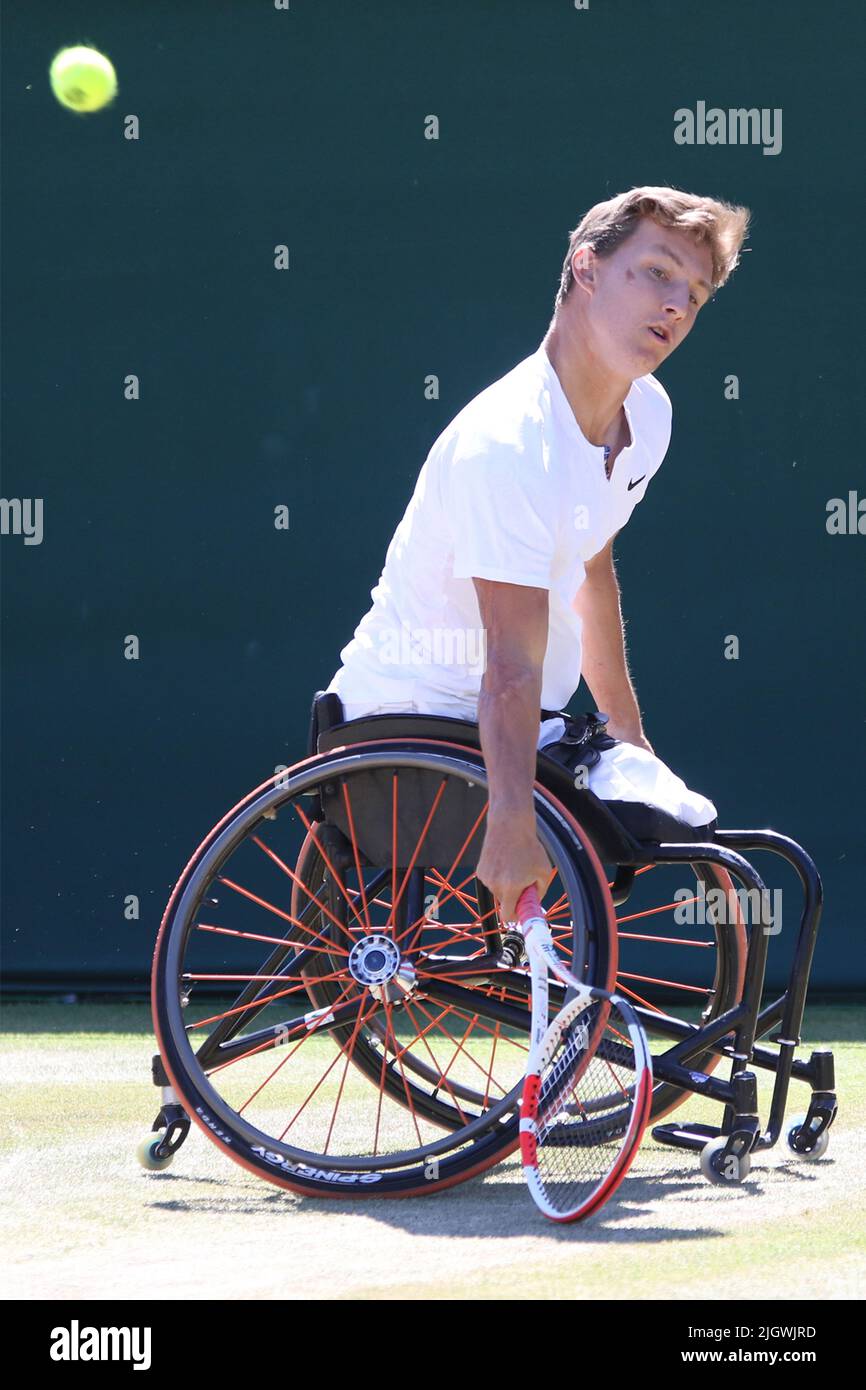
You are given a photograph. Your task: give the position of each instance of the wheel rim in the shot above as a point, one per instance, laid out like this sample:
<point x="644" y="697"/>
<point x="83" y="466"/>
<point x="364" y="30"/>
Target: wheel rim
<point x="481" y="1106"/>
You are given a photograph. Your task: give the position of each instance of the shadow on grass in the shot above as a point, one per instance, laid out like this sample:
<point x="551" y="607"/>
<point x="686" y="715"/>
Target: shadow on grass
<point x="485" y="1209"/>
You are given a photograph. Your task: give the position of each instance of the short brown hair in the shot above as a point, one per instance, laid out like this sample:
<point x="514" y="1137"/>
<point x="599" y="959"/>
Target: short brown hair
<point x="721" y="226"/>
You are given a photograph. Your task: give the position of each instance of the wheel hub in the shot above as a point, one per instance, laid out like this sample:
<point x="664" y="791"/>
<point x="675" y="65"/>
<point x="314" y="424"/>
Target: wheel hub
<point x="375" y="962"/>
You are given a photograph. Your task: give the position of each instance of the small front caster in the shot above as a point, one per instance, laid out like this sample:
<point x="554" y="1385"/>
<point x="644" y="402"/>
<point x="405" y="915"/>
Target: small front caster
<point x="724" y="1169"/>
<point x="169" y="1130"/>
<point x="152" y="1155"/>
<point x="803" y="1142"/>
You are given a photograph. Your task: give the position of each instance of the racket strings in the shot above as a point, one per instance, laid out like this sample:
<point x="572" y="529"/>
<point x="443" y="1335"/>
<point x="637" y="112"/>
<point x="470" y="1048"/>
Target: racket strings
<point x="586" y="1106"/>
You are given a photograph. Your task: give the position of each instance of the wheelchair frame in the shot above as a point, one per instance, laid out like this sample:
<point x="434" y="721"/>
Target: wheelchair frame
<point x="734" y="1034"/>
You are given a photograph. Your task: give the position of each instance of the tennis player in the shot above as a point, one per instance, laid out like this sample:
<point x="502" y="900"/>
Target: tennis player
<point x="499" y="588"/>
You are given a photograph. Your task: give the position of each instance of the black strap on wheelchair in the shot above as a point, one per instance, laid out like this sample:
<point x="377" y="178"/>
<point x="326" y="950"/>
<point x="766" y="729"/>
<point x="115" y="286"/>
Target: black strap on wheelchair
<point x="582" y="743"/>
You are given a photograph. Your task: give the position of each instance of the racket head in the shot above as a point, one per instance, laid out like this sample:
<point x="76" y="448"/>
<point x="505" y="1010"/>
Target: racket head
<point x="585" y="1106"/>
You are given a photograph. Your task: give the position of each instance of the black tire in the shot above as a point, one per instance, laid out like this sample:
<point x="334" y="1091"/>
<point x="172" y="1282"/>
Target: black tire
<point x="466" y="1149"/>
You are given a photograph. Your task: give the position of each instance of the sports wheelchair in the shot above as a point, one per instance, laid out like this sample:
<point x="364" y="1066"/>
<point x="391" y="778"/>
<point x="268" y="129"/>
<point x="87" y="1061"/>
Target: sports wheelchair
<point x="339" y="1008"/>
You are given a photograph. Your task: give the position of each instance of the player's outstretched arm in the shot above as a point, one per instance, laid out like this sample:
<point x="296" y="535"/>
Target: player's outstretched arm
<point x="515" y="619"/>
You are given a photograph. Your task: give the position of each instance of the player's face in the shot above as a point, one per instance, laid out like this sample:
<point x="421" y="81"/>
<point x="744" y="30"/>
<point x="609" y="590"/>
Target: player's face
<point x="647" y="297"/>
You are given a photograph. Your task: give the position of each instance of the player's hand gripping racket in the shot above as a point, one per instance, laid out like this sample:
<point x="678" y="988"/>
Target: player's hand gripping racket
<point x="588" y="1085"/>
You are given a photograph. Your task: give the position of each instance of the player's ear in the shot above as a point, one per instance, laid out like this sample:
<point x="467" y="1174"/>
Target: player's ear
<point x="583" y="266"/>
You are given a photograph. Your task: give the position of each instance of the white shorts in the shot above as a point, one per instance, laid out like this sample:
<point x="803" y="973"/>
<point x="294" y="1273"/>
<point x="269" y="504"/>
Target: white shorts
<point x="628" y="773"/>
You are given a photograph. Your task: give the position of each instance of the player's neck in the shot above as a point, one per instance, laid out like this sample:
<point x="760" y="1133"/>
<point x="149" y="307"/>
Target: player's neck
<point x="595" y="397"/>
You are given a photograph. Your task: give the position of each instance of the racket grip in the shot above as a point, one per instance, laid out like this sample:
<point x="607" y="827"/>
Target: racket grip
<point x="529" y="904"/>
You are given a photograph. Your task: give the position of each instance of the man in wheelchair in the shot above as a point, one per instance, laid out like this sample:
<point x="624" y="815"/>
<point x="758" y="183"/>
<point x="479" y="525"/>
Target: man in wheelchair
<point x="499" y="588"/>
<point x="343" y="904"/>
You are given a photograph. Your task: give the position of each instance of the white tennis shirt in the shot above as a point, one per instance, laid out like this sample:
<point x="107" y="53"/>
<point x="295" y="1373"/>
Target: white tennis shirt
<point x="511" y="490"/>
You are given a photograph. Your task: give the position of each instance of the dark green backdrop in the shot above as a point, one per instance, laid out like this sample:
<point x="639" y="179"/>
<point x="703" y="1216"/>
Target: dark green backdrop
<point x="407" y="257"/>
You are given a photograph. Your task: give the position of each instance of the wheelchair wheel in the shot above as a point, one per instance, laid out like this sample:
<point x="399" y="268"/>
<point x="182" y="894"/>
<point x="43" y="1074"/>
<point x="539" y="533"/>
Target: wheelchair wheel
<point x="682" y="945"/>
<point x="668" y="991"/>
<point x="672" y="969"/>
<point x="358" y="1023"/>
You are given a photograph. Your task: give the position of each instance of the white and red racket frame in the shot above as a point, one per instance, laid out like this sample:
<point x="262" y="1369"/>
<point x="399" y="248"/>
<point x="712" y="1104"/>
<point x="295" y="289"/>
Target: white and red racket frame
<point x="544" y="1036"/>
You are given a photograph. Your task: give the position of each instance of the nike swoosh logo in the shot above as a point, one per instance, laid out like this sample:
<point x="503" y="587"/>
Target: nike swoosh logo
<point x="635" y="482"/>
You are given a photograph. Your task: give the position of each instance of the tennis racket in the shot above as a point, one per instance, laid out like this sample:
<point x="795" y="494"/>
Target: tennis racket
<point x="588" y="1086"/>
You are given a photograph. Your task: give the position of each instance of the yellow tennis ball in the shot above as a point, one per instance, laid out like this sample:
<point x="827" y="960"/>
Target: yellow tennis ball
<point x="83" y="79"/>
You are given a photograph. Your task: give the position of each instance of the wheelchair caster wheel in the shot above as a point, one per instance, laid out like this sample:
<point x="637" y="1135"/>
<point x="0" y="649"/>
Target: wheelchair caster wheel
<point x="150" y="1155"/>
<point x="724" y="1172"/>
<point x="797" y="1133"/>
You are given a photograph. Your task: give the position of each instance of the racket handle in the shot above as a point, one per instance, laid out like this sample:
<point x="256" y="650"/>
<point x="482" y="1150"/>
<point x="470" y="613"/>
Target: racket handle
<point x="529" y="904"/>
<point x="533" y="923"/>
<point x="537" y="935"/>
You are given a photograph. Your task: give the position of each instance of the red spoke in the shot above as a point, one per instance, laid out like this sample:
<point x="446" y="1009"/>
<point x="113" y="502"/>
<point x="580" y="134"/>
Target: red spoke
<point x="373" y="902"/>
<point x="461" y="934"/>
<point x="617" y="1083"/>
<point x="450" y="1035"/>
<point x="301" y="1024"/>
<point x="654" y="911"/>
<point x="300" y="883"/>
<point x="392" y="923"/>
<point x="667" y="940"/>
<point x="452" y="891"/>
<point x="626" y="1040"/>
<point x="245" y="1008"/>
<point x="272" y="940"/>
<point x="462" y="1013"/>
<point x="624" y="989"/>
<point x="470" y="932"/>
<point x="336" y="877"/>
<point x="422" y="1033"/>
<point x="401" y="1052"/>
<point x="288" y="916"/>
<point x="671" y="984"/>
<point x="618" y="1033"/>
<point x="460" y="1047"/>
<point x="334" y="975"/>
<point x="561" y="902"/>
<point x="637" y="873"/>
<point x="457" y="939"/>
<point x="349" y="1048"/>
<point x="496" y="1036"/>
<point x="469" y="900"/>
<point x="325" y="1074"/>
<point x="443" y="1075"/>
<point x="277" y="941"/>
<point x="389" y="1029"/>
<point x="465" y="901"/>
<point x="281" y="1064"/>
<point x="458" y="976"/>
<point x="379" y="1102"/>
<point x="348" y="805"/>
